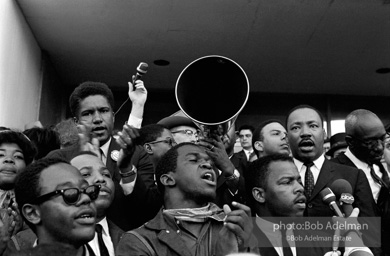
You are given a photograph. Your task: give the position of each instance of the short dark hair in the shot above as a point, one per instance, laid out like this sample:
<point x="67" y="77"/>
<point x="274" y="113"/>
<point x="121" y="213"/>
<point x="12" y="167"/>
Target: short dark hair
<point x="89" y="89"/>
<point x="27" y="186"/>
<point x="301" y="107"/>
<point x="258" y="132"/>
<point x="28" y="148"/>
<point x="168" y="163"/>
<point x="44" y="139"/>
<point x="150" y="133"/>
<point x="246" y="127"/>
<point x="258" y="172"/>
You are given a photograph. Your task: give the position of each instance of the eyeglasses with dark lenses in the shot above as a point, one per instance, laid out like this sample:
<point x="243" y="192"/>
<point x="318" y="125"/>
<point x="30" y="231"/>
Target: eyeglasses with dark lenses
<point x="169" y="141"/>
<point x="189" y="133"/>
<point x="70" y="195"/>
<point x="373" y="142"/>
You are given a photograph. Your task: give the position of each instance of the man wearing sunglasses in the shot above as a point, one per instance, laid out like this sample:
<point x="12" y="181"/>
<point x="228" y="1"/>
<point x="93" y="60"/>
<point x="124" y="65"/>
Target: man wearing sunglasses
<point x="365" y="135"/>
<point x="92" y="105"/>
<point x="57" y="204"/>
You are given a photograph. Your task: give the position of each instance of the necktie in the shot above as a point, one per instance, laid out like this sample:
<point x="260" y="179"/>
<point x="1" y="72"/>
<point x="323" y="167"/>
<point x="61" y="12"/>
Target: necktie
<point x="248" y="156"/>
<point x="102" y="247"/>
<point x="309" y="180"/>
<point x="286" y="247"/>
<point x="384" y="181"/>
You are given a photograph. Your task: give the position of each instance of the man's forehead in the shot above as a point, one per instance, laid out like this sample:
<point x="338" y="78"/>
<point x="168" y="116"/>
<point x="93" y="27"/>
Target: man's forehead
<point x="245" y="131"/>
<point x="303" y="114"/>
<point x="86" y="160"/>
<point x="281" y="168"/>
<point x="190" y="149"/>
<point x="274" y="126"/>
<point x="95" y="101"/>
<point x="59" y="174"/>
<point x="183" y="127"/>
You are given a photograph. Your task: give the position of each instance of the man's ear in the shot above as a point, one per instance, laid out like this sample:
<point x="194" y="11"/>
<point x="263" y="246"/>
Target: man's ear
<point x="349" y="140"/>
<point x="259" y="146"/>
<point x="167" y="180"/>
<point x="32" y="213"/>
<point x="258" y="194"/>
<point x="148" y="148"/>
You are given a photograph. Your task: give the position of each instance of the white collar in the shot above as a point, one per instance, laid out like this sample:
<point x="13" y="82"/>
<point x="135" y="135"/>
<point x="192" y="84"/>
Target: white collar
<point x="318" y="163"/>
<point x="105" y="147"/>
<point x="356" y="161"/>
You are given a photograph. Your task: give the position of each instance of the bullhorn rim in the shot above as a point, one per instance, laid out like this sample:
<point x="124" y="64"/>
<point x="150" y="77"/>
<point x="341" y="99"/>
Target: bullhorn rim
<point x="242" y="94"/>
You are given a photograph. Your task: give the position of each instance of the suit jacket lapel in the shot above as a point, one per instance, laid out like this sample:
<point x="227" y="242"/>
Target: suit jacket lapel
<point x="110" y="163"/>
<point x="115" y="233"/>
<point x="326" y="174"/>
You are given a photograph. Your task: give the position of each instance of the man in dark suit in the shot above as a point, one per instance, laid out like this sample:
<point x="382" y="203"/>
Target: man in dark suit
<point x="365" y="134"/>
<point x="96" y="173"/>
<point x="91" y="104"/>
<point x="243" y="157"/>
<point x="276" y="188"/>
<point x="306" y="136"/>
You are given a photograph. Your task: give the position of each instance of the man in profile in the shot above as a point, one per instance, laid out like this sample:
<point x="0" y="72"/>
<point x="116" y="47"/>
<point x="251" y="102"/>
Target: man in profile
<point x="365" y="135"/>
<point x="270" y="137"/>
<point x="276" y="189"/>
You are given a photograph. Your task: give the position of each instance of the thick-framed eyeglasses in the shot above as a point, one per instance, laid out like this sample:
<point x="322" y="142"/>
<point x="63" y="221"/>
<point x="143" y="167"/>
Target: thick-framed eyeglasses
<point x="70" y="195"/>
<point x="169" y="141"/>
<point x="189" y="133"/>
<point x="373" y="142"/>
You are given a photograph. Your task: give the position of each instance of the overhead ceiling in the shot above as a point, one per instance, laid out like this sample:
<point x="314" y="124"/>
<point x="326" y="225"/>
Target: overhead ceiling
<point x="284" y="46"/>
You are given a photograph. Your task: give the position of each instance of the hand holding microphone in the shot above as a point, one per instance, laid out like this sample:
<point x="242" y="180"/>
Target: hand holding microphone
<point x="137" y="91"/>
<point x="141" y="70"/>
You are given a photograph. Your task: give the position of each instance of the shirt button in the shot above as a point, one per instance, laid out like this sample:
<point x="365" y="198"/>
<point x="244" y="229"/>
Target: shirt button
<point x="178" y="222"/>
<point x="178" y="231"/>
<point x="167" y="231"/>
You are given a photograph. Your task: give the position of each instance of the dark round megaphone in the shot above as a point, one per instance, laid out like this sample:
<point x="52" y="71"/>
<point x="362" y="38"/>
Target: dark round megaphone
<point x="212" y="91"/>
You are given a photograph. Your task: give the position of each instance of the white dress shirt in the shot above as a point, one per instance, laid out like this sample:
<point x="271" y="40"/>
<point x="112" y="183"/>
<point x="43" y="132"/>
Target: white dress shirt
<point x="375" y="187"/>
<point x="106" y="238"/>
<point x="315" y="169"/>
<point x="275" y="236"/>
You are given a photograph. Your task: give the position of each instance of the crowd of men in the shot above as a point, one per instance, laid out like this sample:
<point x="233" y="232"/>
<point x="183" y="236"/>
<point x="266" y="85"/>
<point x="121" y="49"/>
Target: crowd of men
<point x="165" y="189"/>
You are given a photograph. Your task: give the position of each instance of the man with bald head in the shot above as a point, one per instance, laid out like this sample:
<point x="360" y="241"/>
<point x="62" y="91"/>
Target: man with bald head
<point x="365" y="134"/>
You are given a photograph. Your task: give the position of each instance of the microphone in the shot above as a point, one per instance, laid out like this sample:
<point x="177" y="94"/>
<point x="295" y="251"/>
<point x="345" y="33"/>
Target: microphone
<point x="329" y="198"/>
<point x="343" y="191"/>
<point x="141" y="70"/>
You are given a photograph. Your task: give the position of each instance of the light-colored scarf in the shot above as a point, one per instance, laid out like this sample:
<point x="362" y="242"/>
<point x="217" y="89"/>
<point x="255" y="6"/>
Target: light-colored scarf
<point x="201" y="214"/>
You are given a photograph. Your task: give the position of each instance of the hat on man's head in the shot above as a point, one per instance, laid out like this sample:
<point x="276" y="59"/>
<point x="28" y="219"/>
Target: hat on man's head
<point x="337" y="141"/>
<point x="175" y="121"/>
